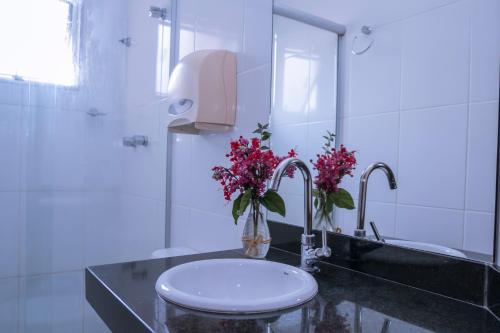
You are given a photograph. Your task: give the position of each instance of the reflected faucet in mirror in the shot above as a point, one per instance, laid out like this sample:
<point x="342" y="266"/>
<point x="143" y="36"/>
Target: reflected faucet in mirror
<point x="309" y="254"/>
<point x="363" y="187"/>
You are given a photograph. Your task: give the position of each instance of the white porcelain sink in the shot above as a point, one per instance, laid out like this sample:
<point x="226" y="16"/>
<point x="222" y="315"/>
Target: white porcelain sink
<point x="427" y="247"/>
<point x="236" y="286"/>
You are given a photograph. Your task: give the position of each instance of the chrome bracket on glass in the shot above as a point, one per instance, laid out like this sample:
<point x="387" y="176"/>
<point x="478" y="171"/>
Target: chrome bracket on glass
<point x="135" y="140"/>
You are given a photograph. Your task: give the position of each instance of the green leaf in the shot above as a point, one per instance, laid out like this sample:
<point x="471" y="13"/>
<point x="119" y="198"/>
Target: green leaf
<point x="315" y="192"/>
<point x="273" y="202"/>
<point x="264" y="147"/>
<point x="316" y="202"/>
<point x="343" y="199"/>
<point x="259" y="128"/>
<point x="330" y="201"/>
<point x="266" y="126"/>
<point x="265" y="136"/>
<point x="245" y="201"/>
<point x="236" y="208"/>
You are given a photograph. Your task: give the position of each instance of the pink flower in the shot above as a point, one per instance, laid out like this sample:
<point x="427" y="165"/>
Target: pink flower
<point x="332" y="167"/>
<point x="251" y="167"/>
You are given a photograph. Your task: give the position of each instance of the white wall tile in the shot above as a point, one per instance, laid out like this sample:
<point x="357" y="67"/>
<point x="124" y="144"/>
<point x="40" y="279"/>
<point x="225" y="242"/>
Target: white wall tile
<point x="144" y="167"/>
<point x="322" y="75"/>
<point x="144" y="57"/>
<point x="375" y="76"/>
<point x="144" y="217"/>
<point x="206" y="193"/>
<point x="180" y="180"/>
<point x="52" y="226"/>
<point x="219" y="25"/>
<point x="283" y="139"/>
<point x="253" y="104"/>
<point x="43" y="95"/>
<point x="13" y="93"/>
<point x="214" y="232"/>
<point x="485" y="48"/>
<point x="102" y="144"/>
<point x="256" y="36"/>
<point x="294" y="205"/>
<point x="9" y="299"/>
<point x="315" y="140"/>
<point x="431" y="225"/>
<point x="180" y="227"/>
<point x="432" y="155"/>
<point x="346" y="220"/>
<point x="290" y="72"/>
<point x="52" y="149"/>
<point x="10" y="145"/>
<point x="73" y="98"/>
<point x="482" y="156"/>
<point x="187" y="15"/>
<point x="102" y="214"/>
<point x="374" y="138"/>
<point x="479" y="230"/>
<point x="383" y="214"/>
<point x="435" y="58"/>
<point x="9" y="233"/>
<point x="52" y="303"/>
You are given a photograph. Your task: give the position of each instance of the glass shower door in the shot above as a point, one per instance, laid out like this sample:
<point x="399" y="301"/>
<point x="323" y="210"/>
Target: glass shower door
<point x="76" y="77"/>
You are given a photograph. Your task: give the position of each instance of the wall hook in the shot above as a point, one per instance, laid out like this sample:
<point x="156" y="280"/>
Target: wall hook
<point x="127" y="41"/>
<point x="366" y="30"/>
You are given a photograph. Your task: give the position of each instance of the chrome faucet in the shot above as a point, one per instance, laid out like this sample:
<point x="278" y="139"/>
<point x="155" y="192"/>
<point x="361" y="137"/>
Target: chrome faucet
<point x="363" y="187"/>
<point x="309" y="254"/>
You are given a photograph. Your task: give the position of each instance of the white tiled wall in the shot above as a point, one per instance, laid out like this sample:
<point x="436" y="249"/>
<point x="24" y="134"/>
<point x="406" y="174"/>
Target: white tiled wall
<point x="424" y="99"/>
<point x="70" y="194"/>
<point x="200" y="217"/>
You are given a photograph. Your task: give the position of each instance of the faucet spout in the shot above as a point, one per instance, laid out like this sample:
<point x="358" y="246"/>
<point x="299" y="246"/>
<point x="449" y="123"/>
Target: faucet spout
<point x="363" y="188"/>
<point x="278" y="174"/>
<point x="309" y="254"/>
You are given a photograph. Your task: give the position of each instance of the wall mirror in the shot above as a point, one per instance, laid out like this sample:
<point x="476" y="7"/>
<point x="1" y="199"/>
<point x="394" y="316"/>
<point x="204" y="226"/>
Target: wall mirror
<point x="416" y="88"/>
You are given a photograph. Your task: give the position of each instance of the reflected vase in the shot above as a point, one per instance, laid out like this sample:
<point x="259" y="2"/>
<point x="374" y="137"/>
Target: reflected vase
<point x="256" y="238"/>
<point x="323" y="219"/>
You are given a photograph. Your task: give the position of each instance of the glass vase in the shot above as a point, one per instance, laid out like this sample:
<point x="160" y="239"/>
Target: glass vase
<point x="322" y="219"/>
<point x="256" y="237"/>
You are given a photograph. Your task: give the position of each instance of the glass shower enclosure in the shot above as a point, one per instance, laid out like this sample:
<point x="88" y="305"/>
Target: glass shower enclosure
<point x="77" y="78"/>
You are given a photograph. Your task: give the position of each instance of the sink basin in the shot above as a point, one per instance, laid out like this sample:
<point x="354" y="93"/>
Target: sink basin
<point x="427" y="247"/>
<point x="236" y="286"/>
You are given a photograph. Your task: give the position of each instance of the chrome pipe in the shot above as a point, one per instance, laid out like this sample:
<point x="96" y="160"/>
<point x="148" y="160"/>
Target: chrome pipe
<point x="363" y="188"/>
<point x="309" y="254"/>
<point x="306" y="174"/>
<point x="158" y="13"/>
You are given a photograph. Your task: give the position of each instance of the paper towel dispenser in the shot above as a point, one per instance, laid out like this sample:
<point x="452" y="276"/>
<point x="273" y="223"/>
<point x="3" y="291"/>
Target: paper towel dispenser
<point x="202" y="92"/>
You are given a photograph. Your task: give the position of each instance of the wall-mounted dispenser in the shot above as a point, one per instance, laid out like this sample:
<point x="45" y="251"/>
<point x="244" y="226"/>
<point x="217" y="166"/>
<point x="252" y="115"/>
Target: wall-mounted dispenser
<point x="202" y="92"/>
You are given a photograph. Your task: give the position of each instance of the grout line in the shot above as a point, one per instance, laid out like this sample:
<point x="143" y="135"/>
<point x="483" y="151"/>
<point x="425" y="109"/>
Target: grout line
<point x="426" y="108"/>
<point x="467" y="134"/>
<point x="253" y="69"/>
<point x="398" y="158"/>
<point x="416" y="14"/>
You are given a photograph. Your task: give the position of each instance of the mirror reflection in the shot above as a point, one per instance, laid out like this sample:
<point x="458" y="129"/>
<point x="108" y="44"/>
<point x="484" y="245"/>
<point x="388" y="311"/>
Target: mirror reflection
<point x="415" y="89"/>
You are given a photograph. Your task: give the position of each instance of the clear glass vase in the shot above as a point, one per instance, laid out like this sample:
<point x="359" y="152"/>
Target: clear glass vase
<point x="322" y="219"/>
<point x="256" y="237"/>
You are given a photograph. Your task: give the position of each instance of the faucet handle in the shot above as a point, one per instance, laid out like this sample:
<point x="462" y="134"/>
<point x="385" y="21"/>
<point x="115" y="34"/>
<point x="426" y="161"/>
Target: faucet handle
<point x="376" y="233"/>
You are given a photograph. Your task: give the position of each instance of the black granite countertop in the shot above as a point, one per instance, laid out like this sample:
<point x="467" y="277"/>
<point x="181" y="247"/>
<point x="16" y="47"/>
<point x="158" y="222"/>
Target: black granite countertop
<point x="124" y="296"/>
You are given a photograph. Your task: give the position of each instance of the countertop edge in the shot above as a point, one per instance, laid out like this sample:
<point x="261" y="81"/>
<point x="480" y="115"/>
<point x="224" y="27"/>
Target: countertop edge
<point x="109" y="306"/>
